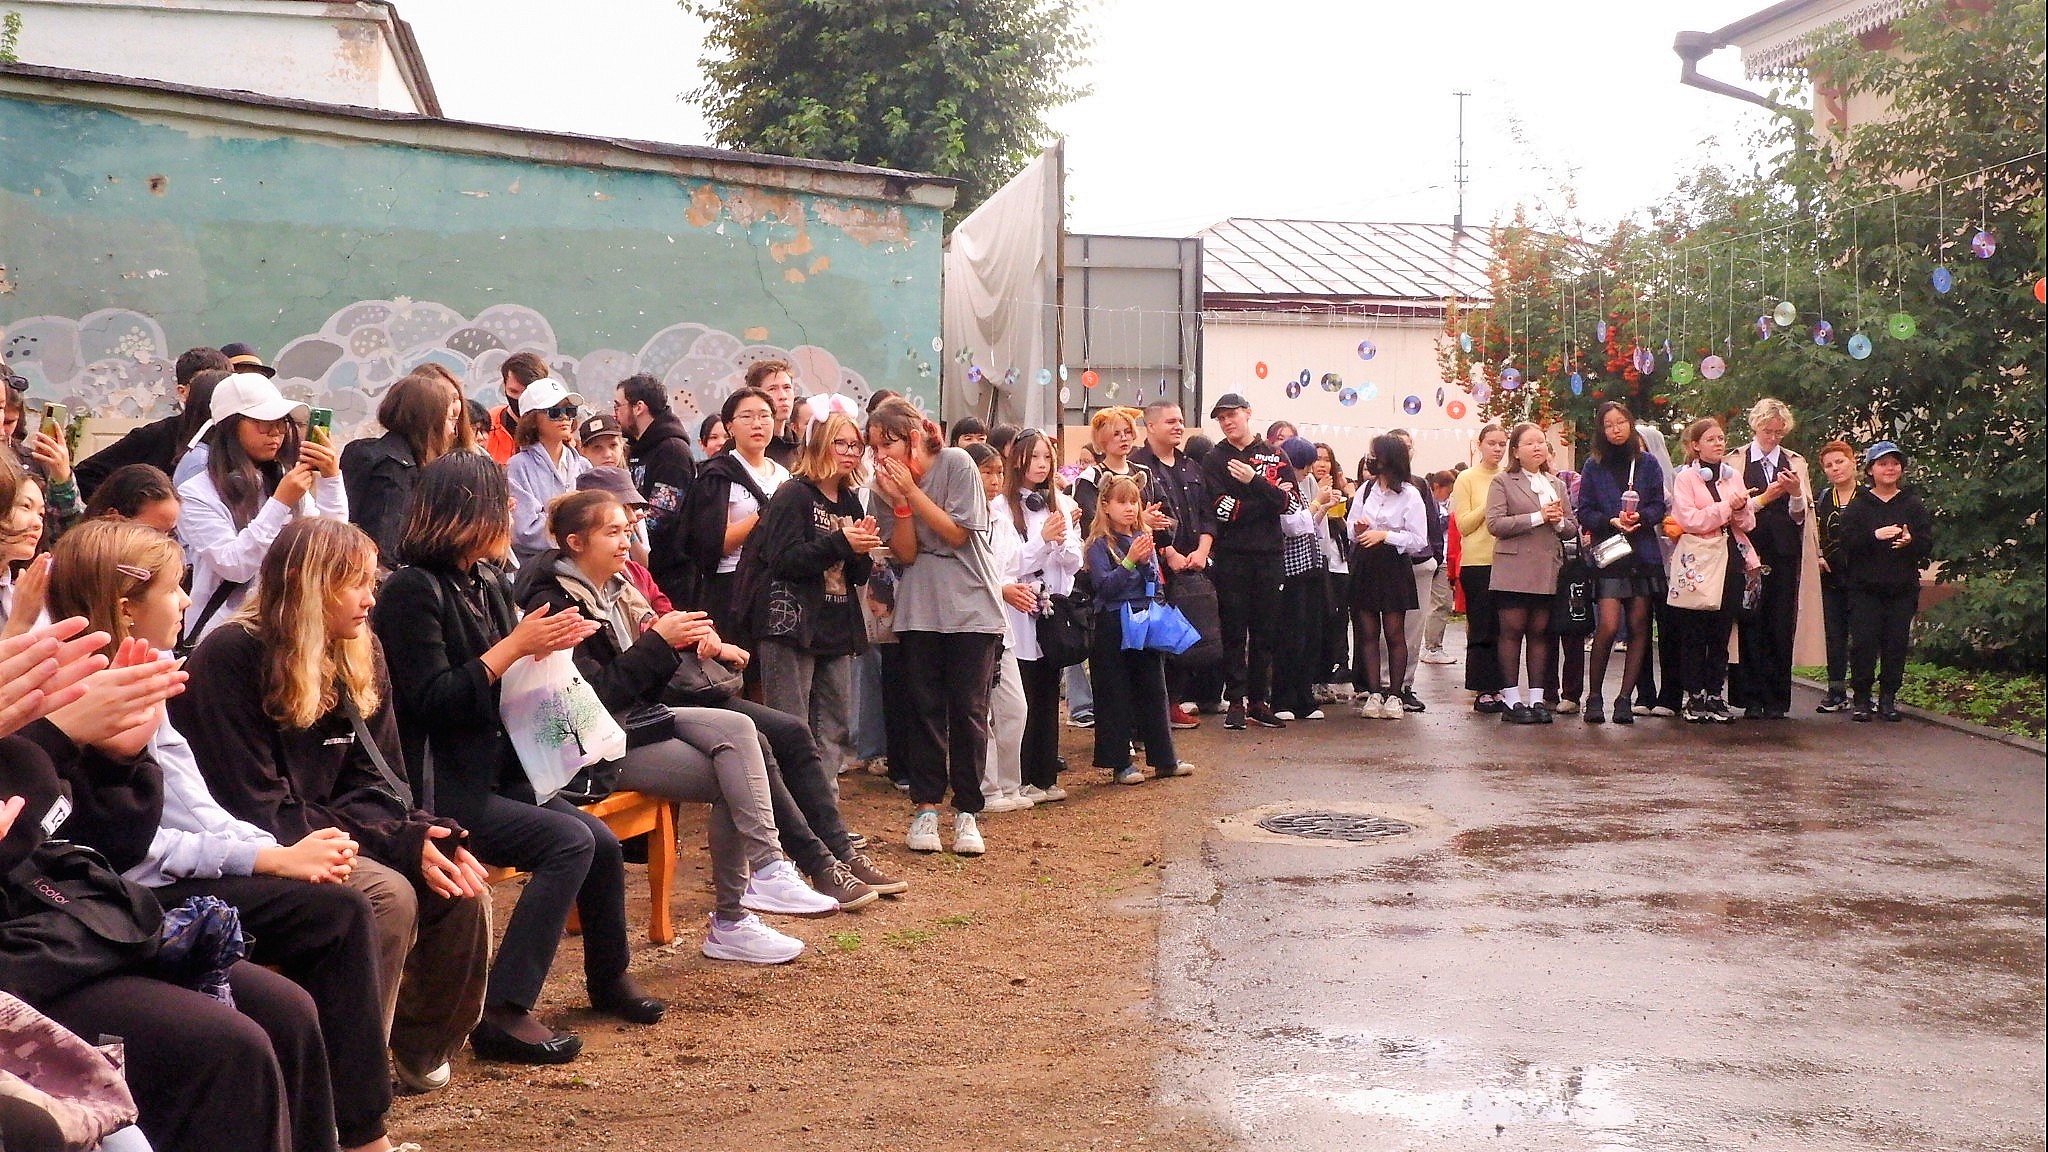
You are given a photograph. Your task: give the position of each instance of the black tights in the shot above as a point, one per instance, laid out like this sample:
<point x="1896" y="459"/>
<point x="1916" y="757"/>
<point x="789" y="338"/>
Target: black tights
<point x="1366" y="668"/>
<point x="1638" y="608"/>
<point x="1519" y="623"/>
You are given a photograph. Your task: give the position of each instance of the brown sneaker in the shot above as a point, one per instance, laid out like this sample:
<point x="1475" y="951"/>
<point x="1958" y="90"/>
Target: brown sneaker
<point x="842" y="885"/>
<point x="864" y="870"/>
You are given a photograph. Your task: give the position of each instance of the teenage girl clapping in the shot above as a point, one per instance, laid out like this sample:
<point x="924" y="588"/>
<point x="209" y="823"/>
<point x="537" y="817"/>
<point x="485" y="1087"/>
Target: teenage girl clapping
<point x="1130" y="686"/>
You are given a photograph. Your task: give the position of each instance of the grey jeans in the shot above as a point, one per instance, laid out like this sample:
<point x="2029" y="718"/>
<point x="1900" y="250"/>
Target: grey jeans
<point x="1425" y="580"/>
<point x="817" y="690"/>
<point x="715" y="759"/>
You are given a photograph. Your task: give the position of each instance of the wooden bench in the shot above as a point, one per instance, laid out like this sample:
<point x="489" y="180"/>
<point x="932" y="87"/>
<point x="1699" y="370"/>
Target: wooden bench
<point x="630" y="814"/>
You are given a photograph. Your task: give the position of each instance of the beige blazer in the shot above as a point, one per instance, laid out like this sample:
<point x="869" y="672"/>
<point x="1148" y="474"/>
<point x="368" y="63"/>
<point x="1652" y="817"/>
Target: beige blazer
<point x="1526" y="556"/>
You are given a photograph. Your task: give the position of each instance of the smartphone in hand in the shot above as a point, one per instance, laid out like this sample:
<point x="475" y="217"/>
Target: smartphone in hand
<point x="320" y="426"/>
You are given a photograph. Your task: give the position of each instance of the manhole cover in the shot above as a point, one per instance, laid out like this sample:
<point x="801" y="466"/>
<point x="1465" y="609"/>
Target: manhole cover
<point x="1356" y="827"/>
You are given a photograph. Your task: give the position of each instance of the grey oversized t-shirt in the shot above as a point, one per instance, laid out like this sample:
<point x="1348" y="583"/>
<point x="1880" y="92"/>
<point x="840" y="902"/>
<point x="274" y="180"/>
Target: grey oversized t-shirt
<point x="948" y="589"/>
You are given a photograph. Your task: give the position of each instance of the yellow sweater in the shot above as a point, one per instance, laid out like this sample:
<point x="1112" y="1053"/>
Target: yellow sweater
<point x="1468" y="509"/>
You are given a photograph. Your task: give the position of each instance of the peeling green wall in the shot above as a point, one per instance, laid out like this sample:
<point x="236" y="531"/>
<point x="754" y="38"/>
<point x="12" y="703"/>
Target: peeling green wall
<point x="176" y="231"/>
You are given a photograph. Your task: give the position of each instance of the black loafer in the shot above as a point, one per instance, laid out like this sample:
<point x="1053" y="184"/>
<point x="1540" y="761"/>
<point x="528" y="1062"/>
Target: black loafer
<point x="1624" y="713"/>
<point x="494" y="1043"/>
<point x="629" y="1004"/>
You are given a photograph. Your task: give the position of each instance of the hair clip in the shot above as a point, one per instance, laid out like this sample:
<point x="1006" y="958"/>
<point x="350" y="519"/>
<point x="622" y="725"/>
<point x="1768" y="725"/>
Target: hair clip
<point x="132" y="570"/>
<point x="822" y="407"/>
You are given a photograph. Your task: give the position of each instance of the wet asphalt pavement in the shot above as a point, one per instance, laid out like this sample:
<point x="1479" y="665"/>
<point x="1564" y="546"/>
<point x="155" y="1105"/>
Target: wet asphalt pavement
<point x="1804" y="934"/>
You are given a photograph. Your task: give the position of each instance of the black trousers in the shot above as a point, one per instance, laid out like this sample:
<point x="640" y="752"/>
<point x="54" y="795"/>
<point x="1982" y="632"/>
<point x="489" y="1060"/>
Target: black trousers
<point x="1298" y="657"/>
<point x="574" y="860"/>
<point x="1834" y="615"/>
<point x="1482" y="630"/>
<point x="1039" y="758"/>
<point x="322" y="937"/>
<point x="807" y="818"/>
<point x="1662" y="672"/>
<point x="1334" y="665"/>
<point x="1702" y="648"/>
<point x="1130" y="699"/>
<point x="1248" y="600"/>
<point x="949" y="675"/>
<point x="1880" y="628"/>
<point x="209" y="1078"/>
<point x="895" y="711"/>
<point x="1764" y="678"/>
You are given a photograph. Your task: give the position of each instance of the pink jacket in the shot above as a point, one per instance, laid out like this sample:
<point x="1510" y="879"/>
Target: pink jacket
<point x="1699" y="514"/>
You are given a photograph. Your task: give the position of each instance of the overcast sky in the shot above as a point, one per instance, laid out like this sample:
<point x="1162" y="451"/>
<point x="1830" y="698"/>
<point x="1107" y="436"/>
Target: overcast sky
<point x="1316" y="109"/>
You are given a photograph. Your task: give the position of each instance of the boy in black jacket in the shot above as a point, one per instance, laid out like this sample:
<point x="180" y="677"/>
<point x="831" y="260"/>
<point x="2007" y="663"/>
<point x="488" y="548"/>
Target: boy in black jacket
<point x="1886" y="536"/>
<point x="1247" y="482"/>
<point x="663" y="469"/>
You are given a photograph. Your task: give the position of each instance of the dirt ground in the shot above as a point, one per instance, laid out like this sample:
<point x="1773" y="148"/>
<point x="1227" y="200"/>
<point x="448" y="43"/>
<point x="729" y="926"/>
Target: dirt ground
<point x="1002" y="1003"/>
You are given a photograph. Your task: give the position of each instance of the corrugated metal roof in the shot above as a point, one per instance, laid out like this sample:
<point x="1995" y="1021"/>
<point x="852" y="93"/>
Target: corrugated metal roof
<point x="1326" y="258"/>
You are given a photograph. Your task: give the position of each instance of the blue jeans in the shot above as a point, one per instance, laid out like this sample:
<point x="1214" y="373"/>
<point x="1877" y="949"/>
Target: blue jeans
<point x="870" y="728"/>
<point x="1080" y="693"/>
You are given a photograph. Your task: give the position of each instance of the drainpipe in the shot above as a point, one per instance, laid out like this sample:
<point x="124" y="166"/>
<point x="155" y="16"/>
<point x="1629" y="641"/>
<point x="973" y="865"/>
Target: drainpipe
<point x="1693" y="47"/>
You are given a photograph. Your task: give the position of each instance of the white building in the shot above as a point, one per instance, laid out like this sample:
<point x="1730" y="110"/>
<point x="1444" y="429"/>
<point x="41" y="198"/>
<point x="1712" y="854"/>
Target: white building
<point x="1334" y="327"/>
<point x="358" y="53"/>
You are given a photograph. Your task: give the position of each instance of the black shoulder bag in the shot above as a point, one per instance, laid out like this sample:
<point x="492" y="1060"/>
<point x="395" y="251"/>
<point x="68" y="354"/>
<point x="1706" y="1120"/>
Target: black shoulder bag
<point x="70" y="919"/>
<point x="190" y="639"/>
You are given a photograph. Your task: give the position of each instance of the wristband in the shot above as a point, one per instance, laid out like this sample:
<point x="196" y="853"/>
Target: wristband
<point x="1128" y="564"/>
<point x="901" y="511"/>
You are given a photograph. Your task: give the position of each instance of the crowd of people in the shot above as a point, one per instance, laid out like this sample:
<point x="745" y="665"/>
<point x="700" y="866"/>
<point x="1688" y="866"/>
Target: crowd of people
<point x="243" y="666"/>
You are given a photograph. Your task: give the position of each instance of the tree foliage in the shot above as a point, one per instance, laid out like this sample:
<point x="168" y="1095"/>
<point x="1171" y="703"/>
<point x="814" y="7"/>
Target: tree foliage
<point x="10" y="36"/>
<point x="1851" y="230"/>
<point x="956" y="88"/>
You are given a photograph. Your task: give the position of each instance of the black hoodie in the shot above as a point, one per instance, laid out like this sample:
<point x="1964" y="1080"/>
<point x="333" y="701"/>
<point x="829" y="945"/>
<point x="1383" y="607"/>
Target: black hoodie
<point x="664" y="470"/>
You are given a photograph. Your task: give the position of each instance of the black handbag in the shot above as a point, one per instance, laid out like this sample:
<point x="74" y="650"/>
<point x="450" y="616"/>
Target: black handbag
<point x="1575" y="612"/>
<point x="70" y="919"/>
<point x="1066" y="627"/>
<point x="701" y="683"/>
<point x="1195" y="595"/>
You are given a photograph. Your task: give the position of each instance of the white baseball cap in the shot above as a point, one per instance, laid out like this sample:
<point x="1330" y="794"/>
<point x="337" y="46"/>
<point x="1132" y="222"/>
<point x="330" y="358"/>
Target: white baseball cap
<point x="543" y="393"/>
<point x="251" y="395"/>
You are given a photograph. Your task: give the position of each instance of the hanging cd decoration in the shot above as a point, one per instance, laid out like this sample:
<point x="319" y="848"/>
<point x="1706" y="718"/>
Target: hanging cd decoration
<point x="1763" y="327"/>
<point x="1367" y="349"/>
<point x="1010" y="378"/>
<point x="1089" y="379"/>
<point x="1455" y="409"/>
<point x="1645" y="361"/>
<point x="1859" y="347"/>
<point x="1465" y="342"/>
<point x="1332" y="381"/>
<point x="1944" y="281"/>
<point x="1063" y="372"/>
<point x="1412" y="405"/>
<point x="1902" y="326"/>
<point x="1066" y="395"/>
<point x="1368" y="391"/>
<point x="1578" y="384"/>
<point x="1682" y="373"/>
<point x="1600" y="331"/>
<point x="1785" y="313"/>
<point x="1481" y="393"/>
<point x="938" y="344"/>
<point x="1713" y="367"/>
<point x="1439" y="397"/>
<point x="1348" y="397"/>
<point x="1111" y="391"/>
<point x="1139" y="398"/>
<point x="1984" y="244"/>
<point x="1823" y="333"/>
<point x="1043" y="376"/>
<point x="974" y="375"/>
<point x="1304" y="378"/>
<point x="1259" y="369"/>
<point x="1294" y="389"/>
<point x="1511" y="378"/>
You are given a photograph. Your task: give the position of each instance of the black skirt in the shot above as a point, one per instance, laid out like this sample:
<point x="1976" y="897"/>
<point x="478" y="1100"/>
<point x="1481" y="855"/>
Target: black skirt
<point x="1629" y="579"/>
<point x="1382" y="580"/>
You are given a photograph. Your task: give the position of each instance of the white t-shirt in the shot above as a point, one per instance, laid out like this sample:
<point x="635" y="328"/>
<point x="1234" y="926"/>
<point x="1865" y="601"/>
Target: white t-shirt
<point x="740" y="503"/>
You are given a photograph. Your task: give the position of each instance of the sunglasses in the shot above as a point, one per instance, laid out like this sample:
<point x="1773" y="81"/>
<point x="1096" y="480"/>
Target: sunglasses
<point x="17" y="383"/>
<point x="559" y="412"/>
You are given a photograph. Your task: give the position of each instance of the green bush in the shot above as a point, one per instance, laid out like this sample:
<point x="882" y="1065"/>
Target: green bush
<point x="1995" y="623"/>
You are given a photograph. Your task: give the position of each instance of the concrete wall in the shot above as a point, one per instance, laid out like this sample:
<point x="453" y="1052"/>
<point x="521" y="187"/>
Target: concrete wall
<point x="337" y="53"/>
<point x="1402" y="366"/>
<point x="134" y="224"/>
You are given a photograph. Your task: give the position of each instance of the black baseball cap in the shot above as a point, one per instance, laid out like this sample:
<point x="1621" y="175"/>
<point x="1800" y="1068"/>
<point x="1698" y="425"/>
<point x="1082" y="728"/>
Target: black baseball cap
<point x="1226" y="402"/>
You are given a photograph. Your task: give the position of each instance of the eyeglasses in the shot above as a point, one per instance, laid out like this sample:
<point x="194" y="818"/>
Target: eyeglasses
<point x="751" y="416"/>
<point x="853" y="446"/>
<point x="560" y="412"/>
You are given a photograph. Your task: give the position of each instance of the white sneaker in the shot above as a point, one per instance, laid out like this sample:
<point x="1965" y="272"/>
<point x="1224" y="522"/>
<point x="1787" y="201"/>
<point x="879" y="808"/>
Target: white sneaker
<point x="1183" y="768"/>
<point x="924" y="833"/>
<point x="1004" y="802"/>
<point x="967" y="835"/>
<point x="751" y="942"/>
<point x="1018" y="798"/>
<point x="1367" y="706"/>
<point x="1437" y="656"/>
<point x="1390" y="707"/>
<point x="1283" y="714"/>
<point x="780" y="888"/>
<point x="1037" y="795"/>
<point x="1314" y="714"/>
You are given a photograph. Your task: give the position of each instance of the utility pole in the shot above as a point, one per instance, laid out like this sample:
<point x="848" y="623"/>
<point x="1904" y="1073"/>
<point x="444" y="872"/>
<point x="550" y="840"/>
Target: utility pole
<point x="1458" y="173"/>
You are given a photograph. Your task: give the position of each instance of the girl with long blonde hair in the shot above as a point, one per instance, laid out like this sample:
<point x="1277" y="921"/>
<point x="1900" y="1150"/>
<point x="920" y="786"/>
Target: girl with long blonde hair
<point x="291" y="721"/>
<point x="1130" y="684"/>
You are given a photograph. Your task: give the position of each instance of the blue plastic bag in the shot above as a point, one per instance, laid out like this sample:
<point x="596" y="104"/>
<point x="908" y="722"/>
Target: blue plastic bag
<point x="1158" y="626"/>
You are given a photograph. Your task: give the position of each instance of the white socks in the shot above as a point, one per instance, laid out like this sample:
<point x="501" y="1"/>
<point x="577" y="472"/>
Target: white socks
<point x="1513" y="696"/>
<point x="1535" y="696"/>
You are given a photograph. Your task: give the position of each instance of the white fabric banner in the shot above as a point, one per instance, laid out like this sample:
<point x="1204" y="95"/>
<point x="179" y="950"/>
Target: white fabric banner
<point x="1001" y="297"/>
